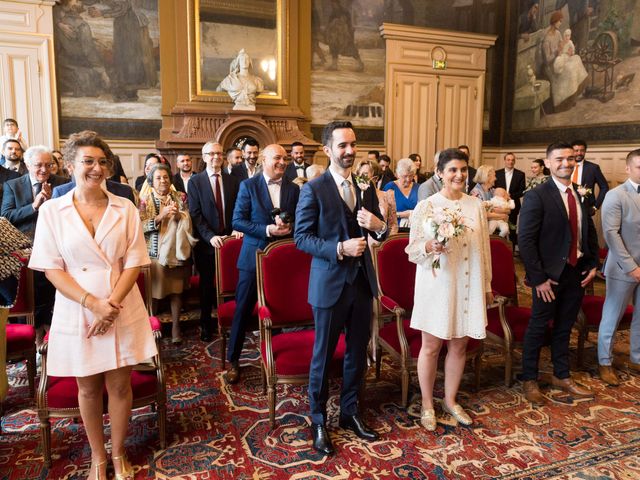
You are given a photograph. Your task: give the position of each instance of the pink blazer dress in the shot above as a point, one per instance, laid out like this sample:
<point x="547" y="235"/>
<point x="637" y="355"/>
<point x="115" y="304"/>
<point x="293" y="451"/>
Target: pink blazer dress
<point x="62" y="242"/>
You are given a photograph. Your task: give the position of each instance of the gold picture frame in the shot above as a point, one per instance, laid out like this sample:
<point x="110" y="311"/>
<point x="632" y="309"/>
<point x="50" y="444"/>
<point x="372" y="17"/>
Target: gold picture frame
<point x="255" y="15"/>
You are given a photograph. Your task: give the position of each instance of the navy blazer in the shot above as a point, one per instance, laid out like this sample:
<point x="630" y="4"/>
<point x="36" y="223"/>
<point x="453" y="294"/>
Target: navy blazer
<point x="178" y="182"/>
<point x="5" y="176"/>
<point x="117" y="188"/>
<point x="290" y="173"/>
<point x="17" y="198"/>
<point x="516" y="187"/>
<point x="592" y="175"/>
<point x="253" y="213"/>
<point x="241" y="173"/>
<point x="544" y="234"/>
<point x="321" y="223"/>
<point x="202" y="207"/>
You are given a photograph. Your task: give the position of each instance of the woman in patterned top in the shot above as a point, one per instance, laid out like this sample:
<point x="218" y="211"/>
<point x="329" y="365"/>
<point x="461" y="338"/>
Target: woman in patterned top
<point x="167" y="229"/>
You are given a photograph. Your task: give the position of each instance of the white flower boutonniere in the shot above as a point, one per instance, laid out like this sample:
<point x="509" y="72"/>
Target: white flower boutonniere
<point x="364" y="182"/>
<point x="584" y="192"/>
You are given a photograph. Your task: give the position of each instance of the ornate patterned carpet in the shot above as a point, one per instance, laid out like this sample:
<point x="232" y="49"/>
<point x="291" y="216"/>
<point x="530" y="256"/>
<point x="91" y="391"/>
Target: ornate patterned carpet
<point x="221" y="431"/>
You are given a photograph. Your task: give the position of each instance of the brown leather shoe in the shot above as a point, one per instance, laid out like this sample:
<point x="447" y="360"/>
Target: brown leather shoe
<point x="569" y="386"/>
<point x="608" y="375"/>
<point x="532" y="392"/>
<point x="233" y="374"/>
<point x="634" y="367"/>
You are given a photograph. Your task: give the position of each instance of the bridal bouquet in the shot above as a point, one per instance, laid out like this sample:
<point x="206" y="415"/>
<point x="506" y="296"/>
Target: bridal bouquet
<point x="444" y="224"/>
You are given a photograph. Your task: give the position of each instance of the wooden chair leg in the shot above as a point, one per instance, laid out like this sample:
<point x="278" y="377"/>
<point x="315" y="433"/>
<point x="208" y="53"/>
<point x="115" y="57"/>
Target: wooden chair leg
<point x="271" y="397"/>
<point x="45" y="434"/>
<point x="477" y="365"/>
<point x="405" y="377"/>
<point x="223" y="348"/>
<point x="378" y="362"/>
<point x="31" y="373"/>
<point x="162" y="424"/>
<point x="508" y="367"/>
<point x="582" y="338"/>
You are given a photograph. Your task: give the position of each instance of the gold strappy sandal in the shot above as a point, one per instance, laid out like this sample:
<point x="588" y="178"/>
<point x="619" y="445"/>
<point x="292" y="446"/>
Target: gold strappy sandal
<point x="126" y="472"/>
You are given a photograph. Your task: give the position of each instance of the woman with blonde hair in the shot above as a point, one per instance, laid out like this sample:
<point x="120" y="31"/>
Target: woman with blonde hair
<point x="405" y="191"/>
<point x="485" y="179"/>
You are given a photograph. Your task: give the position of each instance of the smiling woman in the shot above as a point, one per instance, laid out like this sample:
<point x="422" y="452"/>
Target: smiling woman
<point x="90" y="245"/>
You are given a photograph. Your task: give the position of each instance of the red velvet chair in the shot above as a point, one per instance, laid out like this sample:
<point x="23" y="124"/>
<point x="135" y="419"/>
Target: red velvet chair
<point x="21" y="338"/>
<point x="226" y="259"/>
<point x="508" y="323"/>
<point x="58" y="396"/>
<point x="283" y="282"/>
<point x="396" y="284"/>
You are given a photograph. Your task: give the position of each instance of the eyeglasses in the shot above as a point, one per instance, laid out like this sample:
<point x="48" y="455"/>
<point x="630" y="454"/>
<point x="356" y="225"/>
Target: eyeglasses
<point x="38" y="166"/>
<point x="91" y="162"/>
<point x="212" y="154"/>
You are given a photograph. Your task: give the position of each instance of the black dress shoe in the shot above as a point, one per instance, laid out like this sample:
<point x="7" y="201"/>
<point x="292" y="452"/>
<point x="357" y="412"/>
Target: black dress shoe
<point x="357" y="426"/>
<point x="321" y="439"/>
<point x="205" y="334"/>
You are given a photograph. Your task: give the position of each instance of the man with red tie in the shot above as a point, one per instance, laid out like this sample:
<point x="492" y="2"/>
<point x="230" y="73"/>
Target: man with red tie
<point x="212" y="196"/>
<point x="559" y="249"/>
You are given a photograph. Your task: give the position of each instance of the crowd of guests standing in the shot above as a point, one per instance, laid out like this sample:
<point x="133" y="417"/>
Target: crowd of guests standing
<point x="89" y="246"/>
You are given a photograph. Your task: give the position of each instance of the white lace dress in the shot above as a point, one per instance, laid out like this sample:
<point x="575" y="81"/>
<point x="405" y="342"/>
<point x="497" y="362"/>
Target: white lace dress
<point x="451" y="304"/>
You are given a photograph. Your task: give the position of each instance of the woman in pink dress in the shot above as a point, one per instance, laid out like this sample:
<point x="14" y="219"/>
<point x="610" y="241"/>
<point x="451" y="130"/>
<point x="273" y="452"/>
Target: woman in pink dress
<point x="90" y="245"/>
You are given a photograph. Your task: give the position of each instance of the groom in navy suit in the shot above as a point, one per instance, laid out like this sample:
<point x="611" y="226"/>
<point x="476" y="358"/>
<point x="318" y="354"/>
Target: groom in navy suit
<point x="333" y="220"/>
<point x="257" y="197"/>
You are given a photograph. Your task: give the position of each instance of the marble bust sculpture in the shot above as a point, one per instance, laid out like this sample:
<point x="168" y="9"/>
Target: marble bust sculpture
<point x="241" y="85"/>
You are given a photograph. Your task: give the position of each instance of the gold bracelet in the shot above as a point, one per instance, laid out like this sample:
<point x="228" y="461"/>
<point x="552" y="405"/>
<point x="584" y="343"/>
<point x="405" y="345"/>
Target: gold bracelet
<point x="84" y="299"/>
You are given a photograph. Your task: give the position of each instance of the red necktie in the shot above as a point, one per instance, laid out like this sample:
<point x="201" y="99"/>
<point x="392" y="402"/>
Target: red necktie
<point x="573" y="223"/>
<point x="219" y="203"/>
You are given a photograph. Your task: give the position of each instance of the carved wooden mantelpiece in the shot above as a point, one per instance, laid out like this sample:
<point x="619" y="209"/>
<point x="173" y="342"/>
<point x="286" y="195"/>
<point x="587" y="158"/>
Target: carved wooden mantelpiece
<point x="189" y="120"/>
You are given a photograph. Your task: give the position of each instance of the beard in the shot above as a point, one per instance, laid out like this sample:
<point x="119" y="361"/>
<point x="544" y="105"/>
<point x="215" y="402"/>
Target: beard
<point x="345" y="161"/>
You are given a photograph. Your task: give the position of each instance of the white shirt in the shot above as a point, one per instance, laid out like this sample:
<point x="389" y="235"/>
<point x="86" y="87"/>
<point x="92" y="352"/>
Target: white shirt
<point x="251" y="171"/>
<point x="299" y="171"/>
<point x="339" y="179"/>
<point x="508" y="175"/>
<point x="634" y="185"/>
<point x="274" y="194"/>
<point x="564" y="195"/>
<point x="186" y="183"/>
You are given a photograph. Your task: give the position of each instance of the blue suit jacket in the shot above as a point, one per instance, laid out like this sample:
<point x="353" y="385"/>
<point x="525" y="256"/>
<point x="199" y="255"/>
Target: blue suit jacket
<point x="116" y="188"/>
<point x="17" y="197"/>
<point x="253" y="213"/>
<point x="321" y="223"/>
<point x="202" y="207"/>
<point x="544" y="234"/>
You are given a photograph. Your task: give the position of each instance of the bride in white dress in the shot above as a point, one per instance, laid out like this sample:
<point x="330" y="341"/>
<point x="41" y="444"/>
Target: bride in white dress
<point x="450" y="302"/>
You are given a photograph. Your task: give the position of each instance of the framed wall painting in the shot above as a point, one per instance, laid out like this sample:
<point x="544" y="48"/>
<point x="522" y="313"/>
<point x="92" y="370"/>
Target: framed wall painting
<point x="572" y="74"/>
<point x="107" y="67"/>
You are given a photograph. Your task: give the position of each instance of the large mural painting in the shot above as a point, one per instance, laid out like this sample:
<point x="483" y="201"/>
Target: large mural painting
<point x="575" y="67"/>
<point x="107" y="66"/>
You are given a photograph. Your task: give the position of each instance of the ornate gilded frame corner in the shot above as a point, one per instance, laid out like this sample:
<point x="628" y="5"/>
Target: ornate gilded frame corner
<point x="198" y="94"/>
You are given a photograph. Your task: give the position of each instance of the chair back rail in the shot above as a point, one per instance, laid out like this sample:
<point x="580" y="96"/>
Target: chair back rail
<point x="283" y="274"/>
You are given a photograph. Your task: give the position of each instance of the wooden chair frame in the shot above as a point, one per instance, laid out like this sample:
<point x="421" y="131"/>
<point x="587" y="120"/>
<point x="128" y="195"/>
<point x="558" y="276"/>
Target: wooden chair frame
<point x="157" y="400"/>
<point x="270" y="378"/>
<point x="403" y="358"/>
<point x="29" y="314"/>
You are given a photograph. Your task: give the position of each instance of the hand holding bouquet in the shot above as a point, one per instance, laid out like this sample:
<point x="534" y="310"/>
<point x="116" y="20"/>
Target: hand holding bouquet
<point x="444" y="224"/>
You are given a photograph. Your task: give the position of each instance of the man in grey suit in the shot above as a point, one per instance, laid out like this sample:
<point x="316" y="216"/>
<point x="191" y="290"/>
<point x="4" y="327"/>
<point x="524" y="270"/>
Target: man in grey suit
<point x="432" y="186"/>
<point x="621" y="228"/>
